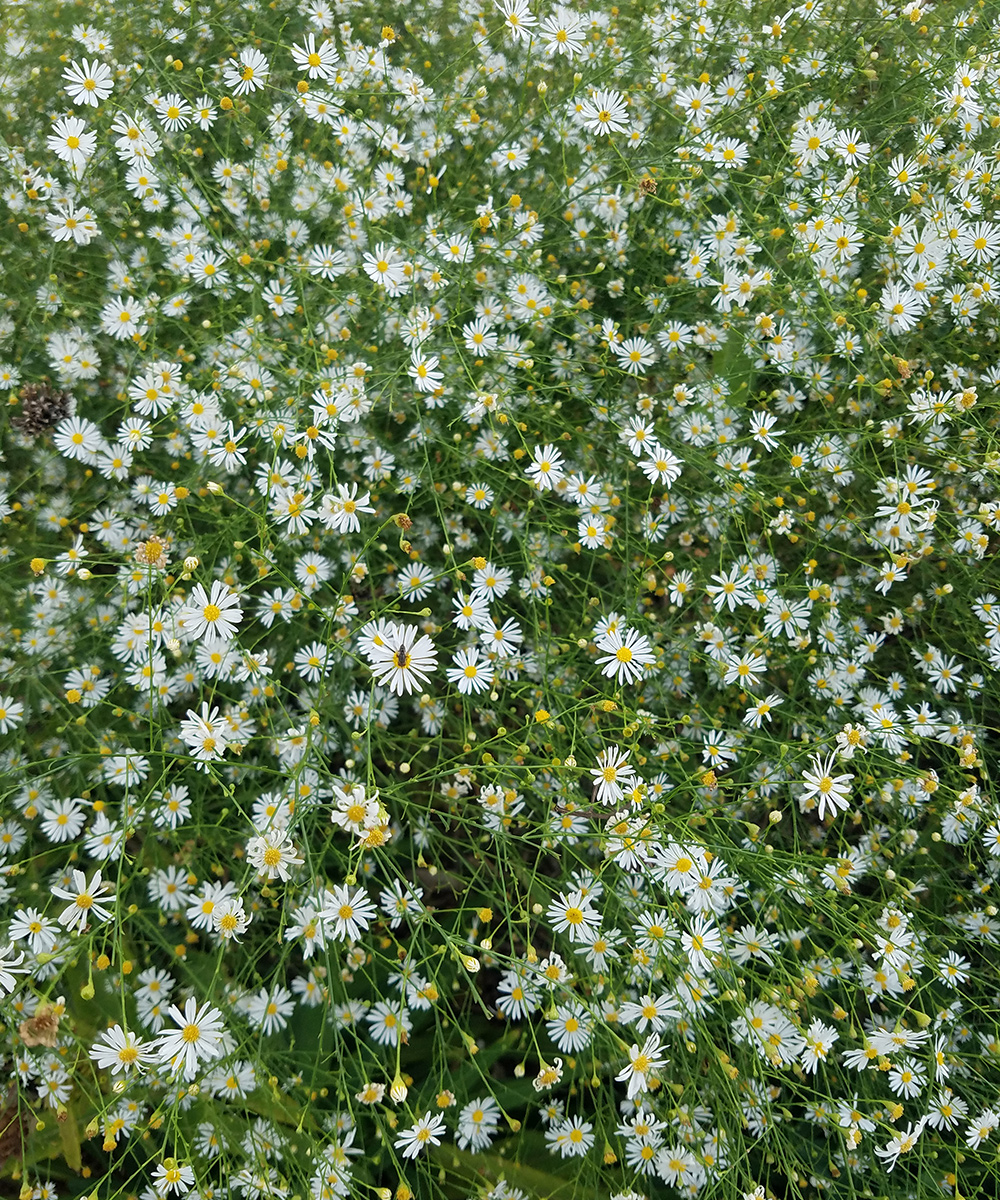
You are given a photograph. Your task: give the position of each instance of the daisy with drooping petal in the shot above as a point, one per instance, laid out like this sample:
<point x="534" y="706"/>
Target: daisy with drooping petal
<point x="273" y="854"/>
<point x="62" y="820"/>
<point x="207" y="734"/>
<point x="340" y="513"/>
<point x="517" y="17"/>
<point x="471" y="673"/>
<point x="626" y="655"/>
<point x="563" y="33"/>
<point x="137" y="138"/>
<point x="572" y="1137"/>
<point x="198" y="1038"/>
<point x="641" y="1061"/>
<point x="852" y="149"/>
<point x="72" y="224"/>
<point x="347" y="914"/>
<point x="208" y="269"/>
<point x="230" y="919"/>
<point x="318" y="61"/>
<point x="730" y="153"/>
<point x="214" y="614"/>
<point x="88" y="82"/>
<point x="902" y="1143"/>
<point x="605" y="112"/>
<point x="123" y="318"/>
<point x="661" y="465"/>
<point x="546" y="467"/>
<point x="172" y="1176"/>
<point x="503" y="640"/>
<point x="612" y="775"/>
<point x="471" y="612"/>
<point x="120" y="1052"/>
<point x="425" y="371"/>
<point x="384" y="264"/>
<point x="204" y="112"/>
<point x="326" y="262"/>
<point x="420" y="1135"/>
<point x="634" y="355"/>
<point x="702" y="944"/>
<point x="405" y="660"/>
<point x="85" y="901"/>
<point x="174" y="112"/>
<point x="745" y="669"/>
<point x="825" y="791"/>
<point x="571" y="913"/>
<point x="39" y="932"/>
<point x="247" y="73"/>
<point x="71" y="141"/>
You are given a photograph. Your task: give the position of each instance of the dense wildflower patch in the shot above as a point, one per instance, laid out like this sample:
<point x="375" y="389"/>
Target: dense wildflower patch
<point x="500" y="631"/>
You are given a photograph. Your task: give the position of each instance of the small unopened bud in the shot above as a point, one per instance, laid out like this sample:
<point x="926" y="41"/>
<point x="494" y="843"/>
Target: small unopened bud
<point x="399" y="1090"/>
<point x="192" y="562"/>
<point x="774" y="817"/>
<point x="215" y="488"/>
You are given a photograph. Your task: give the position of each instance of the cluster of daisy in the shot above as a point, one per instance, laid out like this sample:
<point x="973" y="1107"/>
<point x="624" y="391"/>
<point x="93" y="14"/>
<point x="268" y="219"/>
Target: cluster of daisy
<point x="499" y="638"/>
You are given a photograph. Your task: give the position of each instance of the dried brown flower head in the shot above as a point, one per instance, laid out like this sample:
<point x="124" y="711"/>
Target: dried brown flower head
<point x="42" y="407"/>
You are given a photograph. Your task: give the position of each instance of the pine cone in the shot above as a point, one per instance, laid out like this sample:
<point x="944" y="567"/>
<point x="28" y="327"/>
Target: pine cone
<point x="41" y="407"/>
